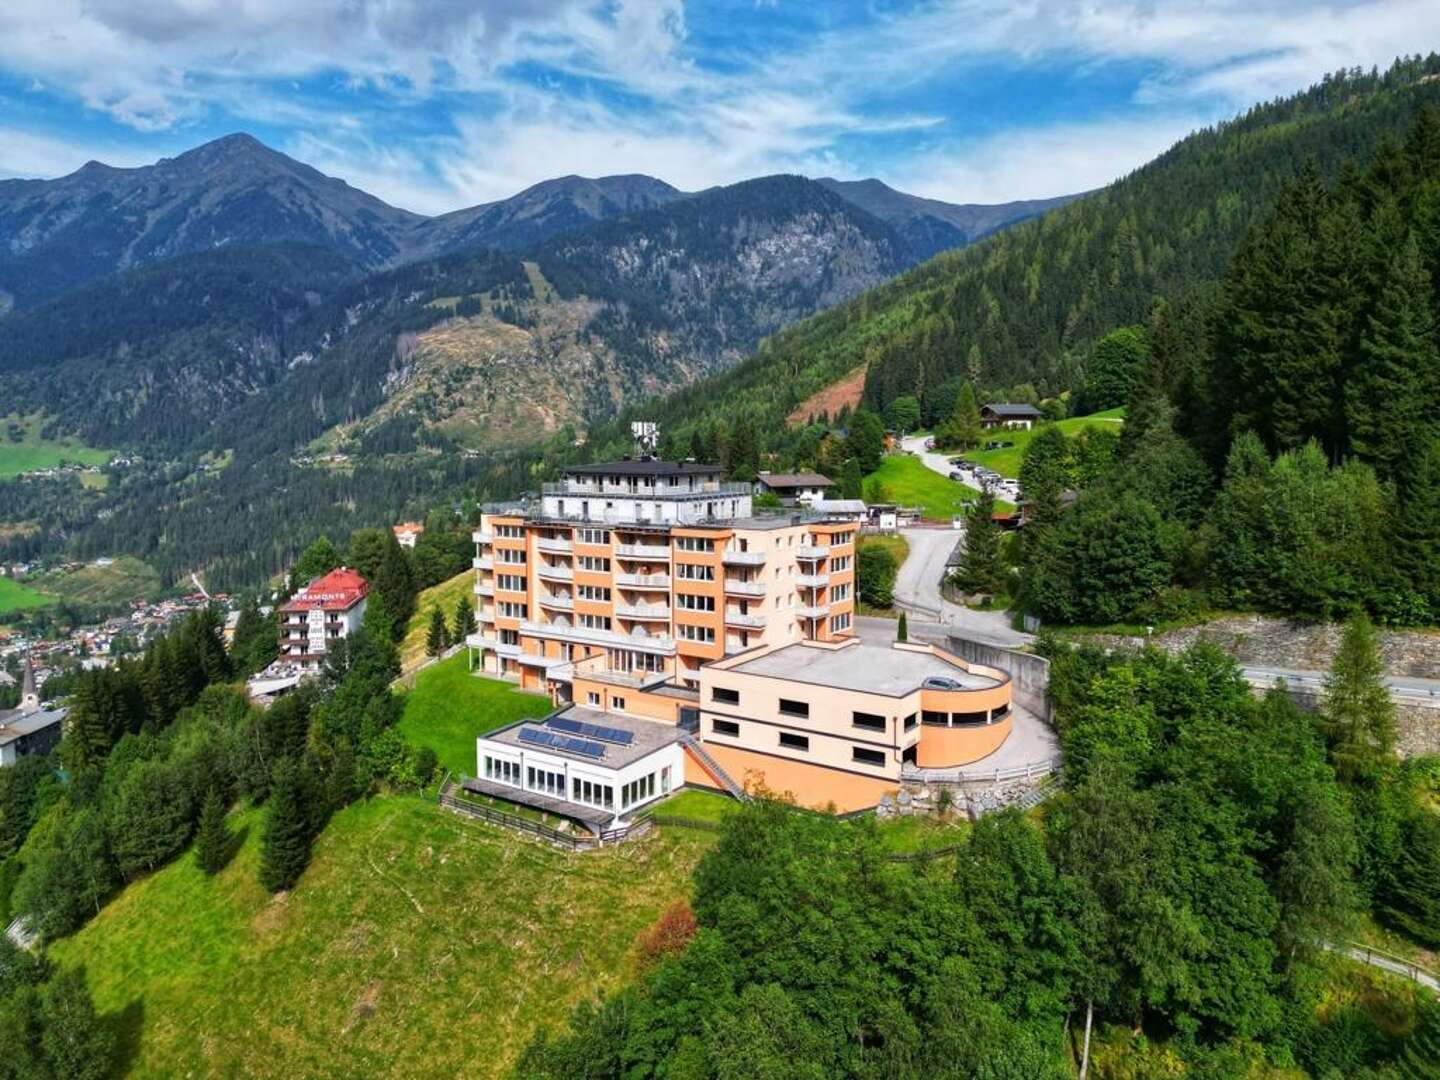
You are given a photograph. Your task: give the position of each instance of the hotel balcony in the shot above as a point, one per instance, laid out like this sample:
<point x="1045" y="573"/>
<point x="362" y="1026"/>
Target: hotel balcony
<point x="661" y="644"/>
<point x="743" y="558"/>
<point x="555" y="573"/>
<point x="744" y="588"/>
<point x="643" y="581"/>
<point x="484" y="562"/>
<point x="485" y="616"/>
<point x="752" y="622"/>
<point x="812" y="581"/>
<point x="482" y="537"/>
<point x="555" y="544"/>
<point x="643" y="611"/>
<point x="484" y="588"/>
<point x="495" y="645"/>
<point x="642" y="551"/>
<point x="811" y="551"/>
<point x="813" y="612"/>
<point x="556" y="600"/>
<point x="547" y="662"/>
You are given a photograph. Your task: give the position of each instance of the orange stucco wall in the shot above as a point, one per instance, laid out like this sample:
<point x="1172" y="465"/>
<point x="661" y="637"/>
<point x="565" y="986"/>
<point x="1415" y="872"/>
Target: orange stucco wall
<point x="947" y="747"/>
<point x="812" y="786"/>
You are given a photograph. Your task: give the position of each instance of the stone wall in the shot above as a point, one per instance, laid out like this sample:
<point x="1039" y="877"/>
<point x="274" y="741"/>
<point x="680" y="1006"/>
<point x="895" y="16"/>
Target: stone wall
<point x="1264" y="641"/>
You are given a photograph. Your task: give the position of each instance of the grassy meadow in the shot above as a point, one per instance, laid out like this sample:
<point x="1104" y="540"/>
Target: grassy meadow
<point x="17" y="597"/>
<point x="906" y="480"/>
<point x="447" y="594"/>
<point x="418" y="943"/>
<point x="1007" y="461"/>
<point x="125" y="579"/>
<point x="24" y="449"/>
<point x="448" y="707"/>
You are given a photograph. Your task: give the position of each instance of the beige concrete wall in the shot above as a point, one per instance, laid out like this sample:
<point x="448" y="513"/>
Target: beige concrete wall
<point x="811" y="786"/>
<point x="949" y="747"/>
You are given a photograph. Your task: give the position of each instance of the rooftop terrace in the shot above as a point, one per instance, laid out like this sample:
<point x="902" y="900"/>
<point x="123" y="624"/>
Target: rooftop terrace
<point x="866" y="666"/>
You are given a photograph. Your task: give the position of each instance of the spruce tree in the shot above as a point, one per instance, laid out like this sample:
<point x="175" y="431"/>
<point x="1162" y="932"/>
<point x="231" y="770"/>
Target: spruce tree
<point x="1417" y="525"/>
<point x="319" y="558"/>
<point x="464" y="620"/>
<point x="1358" y="710"/>
<point x="1412" y="899"/>
<point x="394" y="587"/>
<point x="979" y="569"/>
<point x="851" y="482"/>
<point x="285" y="843"/>
<point x="212" y="841"/>
<point x="77" y="1045"/>
<point x="435" y="638"/>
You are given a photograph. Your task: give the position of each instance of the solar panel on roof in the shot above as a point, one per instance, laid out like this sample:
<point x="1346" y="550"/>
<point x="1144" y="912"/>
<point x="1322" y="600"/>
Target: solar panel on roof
<point x="537" y="737"/>
<point x="562" y="723"/>
<point x="624" y="738"/>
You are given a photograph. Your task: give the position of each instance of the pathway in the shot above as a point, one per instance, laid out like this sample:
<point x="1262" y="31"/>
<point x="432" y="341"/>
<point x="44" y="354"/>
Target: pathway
<point x="1393" y="964"/>
<point x="934" y="459"/>
<point x="917" y="588"/>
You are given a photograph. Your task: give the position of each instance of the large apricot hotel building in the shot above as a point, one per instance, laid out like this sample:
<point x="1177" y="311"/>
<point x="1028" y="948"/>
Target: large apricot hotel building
<point x="686" y="638"/>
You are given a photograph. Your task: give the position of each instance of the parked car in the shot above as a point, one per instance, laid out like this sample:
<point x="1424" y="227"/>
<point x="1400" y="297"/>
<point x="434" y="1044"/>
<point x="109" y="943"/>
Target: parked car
<point x="956" y="474"/>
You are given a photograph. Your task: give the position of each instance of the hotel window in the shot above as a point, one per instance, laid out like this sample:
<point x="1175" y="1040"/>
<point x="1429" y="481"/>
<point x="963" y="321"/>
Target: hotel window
<point x="594" y="536"/>
<point x="868" y="721"/>
<point x="514" y="611"/>
<point x="592" y="698"/>
<point x="724" y="695"/>
<point x="838" y="563"/>
<point x="510" y="555"/>
<point x="793" y="708"/>
<point x="695" y="633"/>
<point x="910" y="721"/>
<point x="839" y="622"/>
<point x="510" y="532"/>
<point x="595" y="563"/>
<point x="694" y="572"/>
<point x="510" y="582"/>
<point x="594" y="592"/>
<point x="595" y="622"/>
<point x="694" y="543"/>
<point x="690" y="602"/>
<point x="725" y="727"/>
<point x="840" y="592"/>
<point x="794" y="742"/>
<point x="867" y="757"/>
<point x="617" y="703"/>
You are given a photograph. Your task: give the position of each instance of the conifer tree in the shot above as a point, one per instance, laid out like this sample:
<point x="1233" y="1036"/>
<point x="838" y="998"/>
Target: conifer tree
<point x="1358" y="711"/>
<point x="902" y="629"/>
<point x="1417" y="525"/>
<point x="464" y="620"/>
<point x="851" y="482"/>
<point x="212" y="840"/>
<point x="285" y="842"/>
<point x="979" y="569"/>
<point x="319" y="558"/>
<point x="1412" y="900"/>
<point x="394" y="587"/>
<point x="77" y="1045"/>
<point x="435" y="638"/>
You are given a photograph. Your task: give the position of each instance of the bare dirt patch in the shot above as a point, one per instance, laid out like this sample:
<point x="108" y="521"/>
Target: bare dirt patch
<point x="831" y="399"/>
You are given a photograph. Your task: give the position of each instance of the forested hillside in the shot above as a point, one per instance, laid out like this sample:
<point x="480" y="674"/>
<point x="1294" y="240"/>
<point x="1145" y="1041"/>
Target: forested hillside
<point x="1025" y="306"/>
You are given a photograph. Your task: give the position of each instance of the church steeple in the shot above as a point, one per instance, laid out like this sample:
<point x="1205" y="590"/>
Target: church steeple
<point x="29" y="696"/>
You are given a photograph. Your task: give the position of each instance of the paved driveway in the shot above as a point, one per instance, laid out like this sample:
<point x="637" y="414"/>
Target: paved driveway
<point x="917" y="585"/>
<point x="933" y="459"/>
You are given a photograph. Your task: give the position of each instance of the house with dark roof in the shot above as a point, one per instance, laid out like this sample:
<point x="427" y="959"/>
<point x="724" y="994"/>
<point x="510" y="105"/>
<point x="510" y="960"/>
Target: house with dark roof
<point x="1006" y="415"/>
<point x="793" y="488"/>
<point x="30" y="729"/>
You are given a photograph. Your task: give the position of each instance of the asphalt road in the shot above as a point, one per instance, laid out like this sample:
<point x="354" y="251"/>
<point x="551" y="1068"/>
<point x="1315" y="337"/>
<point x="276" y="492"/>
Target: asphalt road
<point x="1402" y="687"/>
<point x="933" y="459"/>
<point x="917" y="585"/>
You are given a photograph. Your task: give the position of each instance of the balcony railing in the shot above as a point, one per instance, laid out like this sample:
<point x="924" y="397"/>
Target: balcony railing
<point x="556" y="544"/>
<point x="652" y="643"/>
<point x="484" y="588"/>
<point x="736" y="618"/>
<point x="643" y="581"/>
<point x="643" y="611"/>
<point x="812" y="581"/>
<point x="813" y="611"/>
<point x="555" y="600"/>
<point x="578" y="490"/>
<point x="482" y="537"/>
<point x="811" y="551"/>
<point x="641" y="551"/>
<point x="744" y="588"/>
<point x="555" y="573"/>
<point x="502" y="648"/>
<point x="743" y="558"/>
<point x="483" y="563"/>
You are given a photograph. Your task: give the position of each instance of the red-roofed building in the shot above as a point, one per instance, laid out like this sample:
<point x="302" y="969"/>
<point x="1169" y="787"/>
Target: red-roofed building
<point x="407" y="533"/>
<point x="329" y="608"/>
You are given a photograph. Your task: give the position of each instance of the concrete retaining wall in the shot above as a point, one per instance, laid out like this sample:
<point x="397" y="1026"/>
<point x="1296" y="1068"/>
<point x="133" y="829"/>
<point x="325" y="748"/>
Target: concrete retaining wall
<point x="1417" y="723"/>
<point x="1029" y="675"/>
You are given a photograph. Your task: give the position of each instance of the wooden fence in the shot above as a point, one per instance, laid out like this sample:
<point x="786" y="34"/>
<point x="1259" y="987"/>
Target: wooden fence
<point x="577" y="841"/>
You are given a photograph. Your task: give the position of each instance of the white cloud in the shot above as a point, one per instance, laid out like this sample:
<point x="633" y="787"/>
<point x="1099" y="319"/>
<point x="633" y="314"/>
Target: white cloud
<point x="30" y="155"/>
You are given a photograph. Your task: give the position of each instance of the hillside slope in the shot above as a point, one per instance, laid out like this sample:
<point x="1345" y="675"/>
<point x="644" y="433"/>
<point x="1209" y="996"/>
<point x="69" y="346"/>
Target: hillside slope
<point x="1024" y="305"/>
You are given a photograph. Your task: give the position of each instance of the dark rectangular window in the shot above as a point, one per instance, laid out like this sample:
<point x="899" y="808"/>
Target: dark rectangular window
<point x="933" y="717"/>
<point x="868" y="721"/>
<point x="867" y="757"/>
<point x="724" y="727"/>
<point x="910" y="721"/>
<point x="793" y="708"/>
<point x="969" y="717"/>
<point x="794" y="742"/>
<point x="727" y="697"/>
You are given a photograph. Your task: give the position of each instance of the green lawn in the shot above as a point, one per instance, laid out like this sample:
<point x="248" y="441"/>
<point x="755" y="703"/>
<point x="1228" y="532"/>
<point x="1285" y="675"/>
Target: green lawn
<point x="449" y="707"/>
<point x="922" y="832"/>
<point x="418" y="943"/>
<point x="447" y="594"/>
<point x="1007" y="461"/>
<point x="699" y="805"/>
<point x="17" y="597"/>
<point x="124" y="580"/>
<point x="32" y="451"/>
<point x="907" y="481"/>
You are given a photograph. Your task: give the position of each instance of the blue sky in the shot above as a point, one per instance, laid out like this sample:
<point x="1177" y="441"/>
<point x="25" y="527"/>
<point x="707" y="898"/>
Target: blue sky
<point x="438" y="104"/>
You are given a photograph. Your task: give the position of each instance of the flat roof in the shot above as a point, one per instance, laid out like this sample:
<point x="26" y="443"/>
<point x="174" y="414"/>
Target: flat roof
<point x="648" y="736"/>
<point x="801" y="479"/>
<point x="868" y="667"/>
<point x="645" y="467"/>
